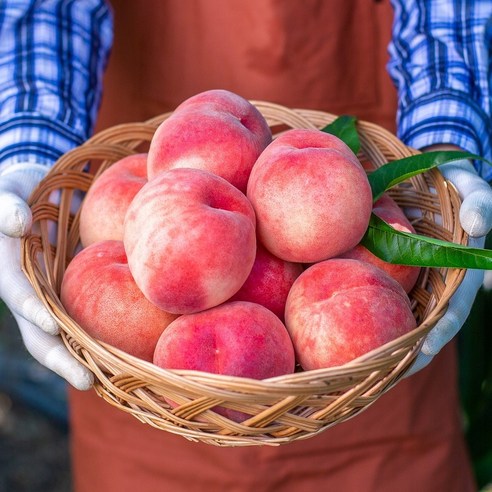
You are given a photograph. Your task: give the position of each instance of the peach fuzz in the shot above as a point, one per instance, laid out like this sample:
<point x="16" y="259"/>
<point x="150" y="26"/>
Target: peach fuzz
<point x="387" y="209"/>
<point x="241" y="339"/>
<point x="340" y="309"/>
<point x="191" y="240"/>
<point x="269" y="282"/>
<point x="311" y="196"/>
<point x="99" y="293"/>
<point x="216" y="130"/>
<point x="104" y="207"/>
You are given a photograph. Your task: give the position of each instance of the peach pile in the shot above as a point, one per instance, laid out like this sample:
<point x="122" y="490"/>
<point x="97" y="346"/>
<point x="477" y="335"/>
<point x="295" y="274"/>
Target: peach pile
<point x="227" y="251"/>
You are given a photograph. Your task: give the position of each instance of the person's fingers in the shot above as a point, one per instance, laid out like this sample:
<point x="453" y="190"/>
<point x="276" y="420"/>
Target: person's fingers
<point x="17" y="292"/>
<point x="16" y="184"/>
<point x="21" y="179"/>
<point x="422" y="360"/>
<point x="15" y="215"/>
<point x="476" y="212"/>
<point x="458" y="310"/>
<point x="487" y="281"/>
<point x="449" y="325"/>
<point x="50" y="352"/>
<point x="476" y="194"/>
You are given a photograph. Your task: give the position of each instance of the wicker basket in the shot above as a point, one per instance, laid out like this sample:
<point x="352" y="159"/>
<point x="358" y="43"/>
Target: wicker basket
<point x="284" y="408"/>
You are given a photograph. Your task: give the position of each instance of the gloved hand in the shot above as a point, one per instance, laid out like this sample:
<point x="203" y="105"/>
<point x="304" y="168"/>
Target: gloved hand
<point x="38" y="329"/>
<point x="476" y="220"/>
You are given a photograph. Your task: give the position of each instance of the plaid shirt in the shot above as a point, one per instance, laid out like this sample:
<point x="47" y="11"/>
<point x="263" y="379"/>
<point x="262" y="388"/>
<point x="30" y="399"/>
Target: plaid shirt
<point x="440" y="62"/>
<point x="52" y="58"/>
<point x="53" y="54"/>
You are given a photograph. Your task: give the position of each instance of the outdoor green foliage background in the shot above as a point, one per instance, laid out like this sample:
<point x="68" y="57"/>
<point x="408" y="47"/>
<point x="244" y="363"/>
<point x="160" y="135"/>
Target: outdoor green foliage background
<point x="475" y="358"/>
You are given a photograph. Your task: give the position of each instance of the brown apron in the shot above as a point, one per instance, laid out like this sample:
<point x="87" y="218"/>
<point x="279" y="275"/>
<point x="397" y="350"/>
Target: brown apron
<point x="323" y="54"/>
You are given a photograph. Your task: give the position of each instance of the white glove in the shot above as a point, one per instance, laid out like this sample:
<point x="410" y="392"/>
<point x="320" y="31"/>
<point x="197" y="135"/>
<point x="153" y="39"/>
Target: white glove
<point x="38" y="329"/>
<point x="476" y="220"/>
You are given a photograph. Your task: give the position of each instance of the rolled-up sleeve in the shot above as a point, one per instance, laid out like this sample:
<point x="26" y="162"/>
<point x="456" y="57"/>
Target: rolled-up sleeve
<point x="440" y="59"/>
<point x="52" y="59"/>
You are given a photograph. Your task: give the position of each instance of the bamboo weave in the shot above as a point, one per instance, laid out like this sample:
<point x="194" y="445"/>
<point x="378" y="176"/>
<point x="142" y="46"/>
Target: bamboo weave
<point x="284" y="408"/>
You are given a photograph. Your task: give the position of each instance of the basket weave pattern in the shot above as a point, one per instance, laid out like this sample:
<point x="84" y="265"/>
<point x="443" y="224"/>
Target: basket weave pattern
<point x="284" y="408"/>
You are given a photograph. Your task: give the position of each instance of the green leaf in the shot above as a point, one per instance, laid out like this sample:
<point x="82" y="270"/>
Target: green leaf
<point x="344" y="128"/>
<point x="405" y="248"/>
<point x="389" y="175"/>
<point x="483" y="470"/>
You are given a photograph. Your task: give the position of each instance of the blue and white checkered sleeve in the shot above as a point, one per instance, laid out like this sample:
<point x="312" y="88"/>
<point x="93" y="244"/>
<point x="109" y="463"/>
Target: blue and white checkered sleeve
<point x="52" y="59"/>
<point x="440" y="59"/>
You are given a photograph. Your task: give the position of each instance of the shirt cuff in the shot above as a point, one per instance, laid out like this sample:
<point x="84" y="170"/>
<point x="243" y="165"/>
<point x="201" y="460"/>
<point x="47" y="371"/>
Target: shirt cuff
<point x="448" y="117"/>
<point x="35" y="138"/>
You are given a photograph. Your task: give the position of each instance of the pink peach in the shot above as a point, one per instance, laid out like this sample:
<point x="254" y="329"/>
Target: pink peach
<point x="216" y="130"/>
<point x="99" y="293"/>
<point x="269" y="282"/>
<point x="311" y="196"/>
<point x="191" y="240"/>
<point x="387" y="209"/>
<point x="340" y="309"/>
<point x="239" y="339"/>
<point x="104" y="207"/>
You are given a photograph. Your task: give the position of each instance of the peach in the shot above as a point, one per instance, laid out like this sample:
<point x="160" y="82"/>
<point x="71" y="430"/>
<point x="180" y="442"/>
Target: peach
<point x="387" y="209"/>
<point x="216" y="130"/>
<point x="269" y="282"/>
<point x="311" y="196"/>
<point x="99" y="293"/>
<point x="104" y="207"/>
<point x="190" y="237"/>
<point x="240" y="339"/>
<point x="340" y="309"/>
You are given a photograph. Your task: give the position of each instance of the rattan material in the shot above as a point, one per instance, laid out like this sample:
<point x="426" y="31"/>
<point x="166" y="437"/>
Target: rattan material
<point x="284" y="408"/>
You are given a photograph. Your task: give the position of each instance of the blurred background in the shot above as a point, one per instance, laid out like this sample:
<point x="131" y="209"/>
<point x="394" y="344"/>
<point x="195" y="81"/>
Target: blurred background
<point x="34" y="431"/>
<point x="34" y="448"/>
